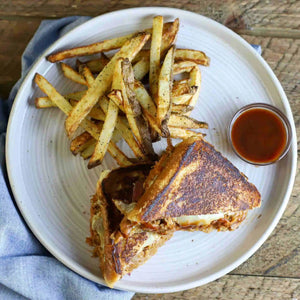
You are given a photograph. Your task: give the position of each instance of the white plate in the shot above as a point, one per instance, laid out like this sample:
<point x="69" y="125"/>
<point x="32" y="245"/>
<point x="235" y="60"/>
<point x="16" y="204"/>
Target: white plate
<point x="52" y="187"/>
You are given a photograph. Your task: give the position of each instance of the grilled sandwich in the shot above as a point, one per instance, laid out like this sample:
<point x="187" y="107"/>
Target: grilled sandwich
<point x="192" y="187"/>
<point x="120" y="253"/>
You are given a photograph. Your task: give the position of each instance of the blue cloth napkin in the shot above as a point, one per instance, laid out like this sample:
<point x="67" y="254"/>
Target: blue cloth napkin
<point x="27" y="269"/>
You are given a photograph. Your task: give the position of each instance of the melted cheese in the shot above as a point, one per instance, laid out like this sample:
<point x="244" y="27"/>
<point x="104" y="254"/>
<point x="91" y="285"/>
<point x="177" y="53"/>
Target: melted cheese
<point x="198" y="219"/>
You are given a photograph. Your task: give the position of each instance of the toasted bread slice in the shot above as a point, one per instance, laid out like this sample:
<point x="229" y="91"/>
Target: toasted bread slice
<point x="120" y="253"/>
<point x="196" y="180"/>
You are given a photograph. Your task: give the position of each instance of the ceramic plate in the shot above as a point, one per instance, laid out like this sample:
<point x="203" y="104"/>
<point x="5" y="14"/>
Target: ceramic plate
<point x="53" y="188"/>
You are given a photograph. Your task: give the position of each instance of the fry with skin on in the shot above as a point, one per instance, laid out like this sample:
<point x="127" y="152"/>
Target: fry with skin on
<point x="95" y="65"/>
<point x="45" y="102"/>
<point x="195" y="56"/>
<point x="107" y="45"/>
<point x="108" y="126"/>
<point x="195" y="81"/>
<point x="72" y="74"/>
<point x="181" y="108"/>
<point x="133" y="111"/>
<point x="87" y="74"/>
<point x="88" y="151"/>
<point x="181" y="121"/>
<point x="155" y="50"/>
<point x="183" y="66"/>
<point x="182" y="133"/>
<point x="124" y="129"/>
<point x="164" y="102"/>
<point x="180" y="87"/>
<point x="81" y="142"/>
<point x="90" y="127"/>
<point x="102" y="83"/>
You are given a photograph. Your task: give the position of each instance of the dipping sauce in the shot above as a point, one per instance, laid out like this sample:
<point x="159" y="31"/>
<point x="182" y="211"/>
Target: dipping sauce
<point x="259" y="135"/>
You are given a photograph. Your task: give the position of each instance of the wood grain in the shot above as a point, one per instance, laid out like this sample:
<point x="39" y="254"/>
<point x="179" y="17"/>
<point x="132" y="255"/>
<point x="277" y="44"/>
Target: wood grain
<point x="235" y="287"/>
<point x="248" y="15"/>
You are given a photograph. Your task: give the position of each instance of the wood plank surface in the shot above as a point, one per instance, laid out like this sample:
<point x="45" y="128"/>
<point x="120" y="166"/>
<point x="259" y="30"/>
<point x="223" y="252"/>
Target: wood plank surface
<point x="252" y="14"/>
<point x="235" y="287"/>
<point x="273" y="272"/>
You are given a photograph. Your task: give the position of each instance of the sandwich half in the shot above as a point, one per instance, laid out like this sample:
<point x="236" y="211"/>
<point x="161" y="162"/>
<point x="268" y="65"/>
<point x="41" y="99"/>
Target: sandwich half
<point x="192" y="187"/>
<point x="120" y="253"/>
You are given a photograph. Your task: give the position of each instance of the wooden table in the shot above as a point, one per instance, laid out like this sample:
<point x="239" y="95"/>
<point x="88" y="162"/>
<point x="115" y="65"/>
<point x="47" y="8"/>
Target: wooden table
<point x="274" y="271"/>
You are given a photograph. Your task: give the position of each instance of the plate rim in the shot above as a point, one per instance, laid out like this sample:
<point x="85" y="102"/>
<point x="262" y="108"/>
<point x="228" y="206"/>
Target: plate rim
<point x="166" y="289"/>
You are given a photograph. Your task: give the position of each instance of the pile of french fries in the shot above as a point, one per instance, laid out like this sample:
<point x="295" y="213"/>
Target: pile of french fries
<point x="119" y="102"/>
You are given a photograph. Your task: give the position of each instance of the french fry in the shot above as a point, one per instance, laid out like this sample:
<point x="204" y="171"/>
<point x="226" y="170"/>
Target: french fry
<point x="72" y="74"/>
<point x="183" y="66"/>
<point x="108" y="45"/>
<point x="102" y="83"/>
<point x="96" y="112"/>
<point x="97" y="65"/>
<point x="134" y="112"/>
<point x="181" y="108"/>
<point x="105" y="135"/>
<point x="183" y="133"/>
<point x="45" y="102"/>
<point x="87" y="74"/>
<point x="155" y="50"/>
<point x="124" y="129"/>
<point x="182" y="99"/>
<point x="195" y="56"/>
<point x="90" y="127"/>
<point x="81" y="142"/>
<point x="180" y="87"/>
<point x="181" y="121"/>
<point x="141" y="68"/>
<point x="144" y="98"/>
<point x="116" y="97"/>
<point x="88" y="151"/>
<point x="195" y="81"/>
<point x="142" y="60"/>
<point x="108" y="126"/>
<point x="164" y="92"/>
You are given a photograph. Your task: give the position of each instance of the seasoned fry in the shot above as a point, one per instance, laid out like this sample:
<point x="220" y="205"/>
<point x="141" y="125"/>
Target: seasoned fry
<point x="108" y="45"/>
<point x="195" y="56"/>
<point x="141" y="68"/>
<point x="116" y="97"/>
<point x="134" y="112"/>
<point x="87" y="74"/>
<point x="72" y="74"/>
<point x="155" y="50"/>
<point x="195" y="81"/>
<point x="144" y="98"/>
<point x="97" y="65"/>
<point x="102" y="83"/>
<point x="108" y="127"/>
<point x="182" y="99"/>
<point x="81" y="142"/>
<point x="180" y="87"/>
<point x="124" y="129"/>
<point x="183" y="66"/>
<point x="88" y="151"/>
<point x="164" y="102"/>
<point x="90" y="127"/>
<point x="105" y="135"/>
<point x="45" y="102"/>
<point x="182" y="133"/>
<point x="180" y="121"/>
<point x="96" y="112"/>
<point x="181" y="108"/>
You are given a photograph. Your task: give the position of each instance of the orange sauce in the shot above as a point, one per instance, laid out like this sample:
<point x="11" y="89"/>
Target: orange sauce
<point x="259" y="135"/>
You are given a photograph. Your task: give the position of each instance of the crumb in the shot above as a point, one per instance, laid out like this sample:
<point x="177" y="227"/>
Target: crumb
<point x="192" y="240"/>
<point x="259" y="216"/>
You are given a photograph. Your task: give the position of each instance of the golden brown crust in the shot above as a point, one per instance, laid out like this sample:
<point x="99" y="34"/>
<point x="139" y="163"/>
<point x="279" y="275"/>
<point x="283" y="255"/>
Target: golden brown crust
<point x="196" y="180"/>
<point x="119" y="254"/>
